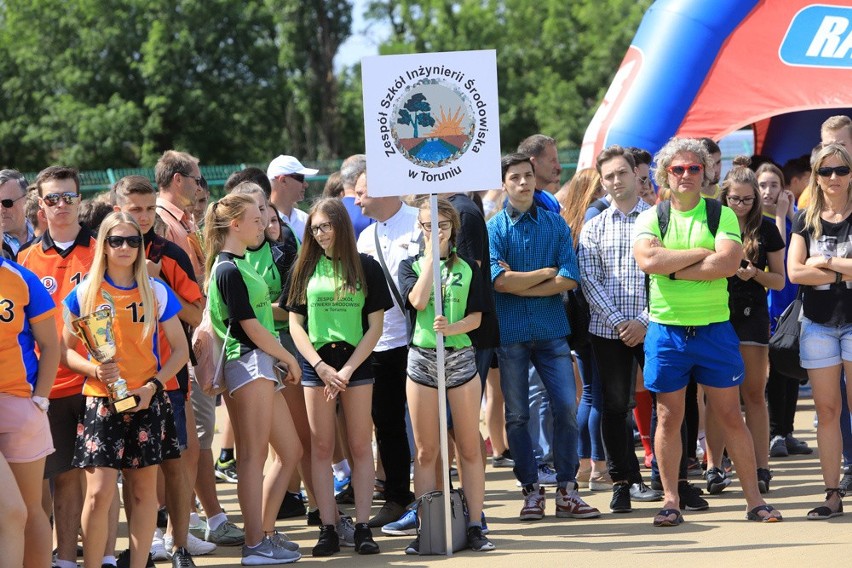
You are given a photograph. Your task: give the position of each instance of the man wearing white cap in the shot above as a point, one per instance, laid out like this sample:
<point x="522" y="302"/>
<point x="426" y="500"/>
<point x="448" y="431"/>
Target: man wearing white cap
<point x="287" y="176"/>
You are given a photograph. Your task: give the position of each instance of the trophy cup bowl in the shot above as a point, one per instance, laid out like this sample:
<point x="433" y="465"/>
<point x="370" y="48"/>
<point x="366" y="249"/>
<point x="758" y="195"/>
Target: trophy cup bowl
<point x="96" y="332"/>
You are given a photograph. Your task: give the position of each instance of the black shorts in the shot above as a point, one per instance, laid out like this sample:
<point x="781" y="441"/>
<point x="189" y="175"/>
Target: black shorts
<point x="128" y="440"/>
<point x="336" y="355"/>
<point x="752" y="325"/>
<point x="64" y="415"/>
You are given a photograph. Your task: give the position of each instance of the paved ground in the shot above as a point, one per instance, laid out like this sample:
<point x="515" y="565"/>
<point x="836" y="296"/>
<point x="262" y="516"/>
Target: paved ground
<point x="719" y="535"/>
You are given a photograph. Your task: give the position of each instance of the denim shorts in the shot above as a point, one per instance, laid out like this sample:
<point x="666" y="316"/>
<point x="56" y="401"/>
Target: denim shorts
<point x="823" y="346"/>
<point x="709" y="353"/>
<point x="336" y="355"/>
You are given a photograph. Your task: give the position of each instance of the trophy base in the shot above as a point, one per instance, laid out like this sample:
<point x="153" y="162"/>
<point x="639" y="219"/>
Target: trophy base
<point x="125" y="404"/>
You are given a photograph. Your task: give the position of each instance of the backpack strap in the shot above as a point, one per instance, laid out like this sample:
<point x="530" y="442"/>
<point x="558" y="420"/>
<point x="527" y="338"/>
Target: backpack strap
<point x="714" y="214"/>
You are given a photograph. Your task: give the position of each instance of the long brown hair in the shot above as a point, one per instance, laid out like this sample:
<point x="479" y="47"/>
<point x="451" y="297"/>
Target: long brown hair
<point x="576" y="199"/>
<point x="741" y="174"/>
<point x="346" y="262"/>
<point x="217" y="223"/>
<point x="446" y="209"/>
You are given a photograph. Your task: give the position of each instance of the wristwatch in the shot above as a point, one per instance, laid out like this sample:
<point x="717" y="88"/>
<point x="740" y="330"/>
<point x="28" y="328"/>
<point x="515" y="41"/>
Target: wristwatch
<point x="41" y="402"/>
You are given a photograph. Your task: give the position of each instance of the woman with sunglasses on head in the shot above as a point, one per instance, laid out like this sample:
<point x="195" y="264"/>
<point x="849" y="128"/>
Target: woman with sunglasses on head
<point x="337" y="300"/>
<point x="462" y="307"/>
<point x="820" y="262"/>
<point x="131" y="441"/>
<point x="242" y="315"/>
<point x="762" y="268"/>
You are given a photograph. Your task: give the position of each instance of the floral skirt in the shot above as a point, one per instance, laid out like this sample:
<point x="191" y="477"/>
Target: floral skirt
<point x="128" y="440"/>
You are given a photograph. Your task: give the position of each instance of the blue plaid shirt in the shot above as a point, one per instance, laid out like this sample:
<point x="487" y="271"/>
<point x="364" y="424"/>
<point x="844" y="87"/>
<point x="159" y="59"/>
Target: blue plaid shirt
<point x="529" y="241"/>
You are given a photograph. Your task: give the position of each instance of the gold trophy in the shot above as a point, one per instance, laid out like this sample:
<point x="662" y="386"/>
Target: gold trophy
<point x="96" y="332"/>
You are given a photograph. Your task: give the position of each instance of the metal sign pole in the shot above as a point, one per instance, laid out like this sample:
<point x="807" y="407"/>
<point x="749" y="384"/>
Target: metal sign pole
<point x="442" y="380"/>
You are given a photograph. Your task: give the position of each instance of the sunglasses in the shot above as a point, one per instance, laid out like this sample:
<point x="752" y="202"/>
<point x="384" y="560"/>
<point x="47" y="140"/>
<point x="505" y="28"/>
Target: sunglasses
<point x="442" y="225"/>
<point x="9" y="203"/>
<point x="298" y="177"/>
<point x="825" y="171"/>
<point x="52" y="199"/>
<point x="693" y="169"/>
<point x="321" y="228"/>
<point x="116" y="242"/>
<point x="197" y="179"/>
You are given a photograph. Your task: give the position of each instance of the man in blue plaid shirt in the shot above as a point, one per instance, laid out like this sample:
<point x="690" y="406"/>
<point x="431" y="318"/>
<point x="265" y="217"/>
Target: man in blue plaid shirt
<point x="615" y="289"/>
<point x="532" y="262"/>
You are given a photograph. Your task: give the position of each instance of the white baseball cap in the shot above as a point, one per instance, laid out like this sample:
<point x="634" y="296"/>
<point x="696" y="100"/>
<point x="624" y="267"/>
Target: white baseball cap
<point x="285" y="165"/>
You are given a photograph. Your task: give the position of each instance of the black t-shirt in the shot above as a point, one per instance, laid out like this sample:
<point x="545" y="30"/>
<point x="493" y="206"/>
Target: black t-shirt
<point x="472" y="244"/>
<point x="829" y="304"/>
<point x="749" y="293"/>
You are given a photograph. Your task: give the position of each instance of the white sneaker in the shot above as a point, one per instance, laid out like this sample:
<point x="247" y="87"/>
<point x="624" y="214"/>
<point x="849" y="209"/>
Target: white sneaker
<point x="194" y="545"/>
<point x="158" y="546"/>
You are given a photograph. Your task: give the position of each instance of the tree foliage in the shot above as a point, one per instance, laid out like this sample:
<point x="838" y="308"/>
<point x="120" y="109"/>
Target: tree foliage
<point x="114" y="83"/>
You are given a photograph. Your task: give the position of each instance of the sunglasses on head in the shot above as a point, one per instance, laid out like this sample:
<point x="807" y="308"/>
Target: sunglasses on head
<point x="116" y="241"/>
<point x="680" y="170"/>
<point x="52" y="199"/>
<point x="826" y="171"/>
<point x="9" y="203"/>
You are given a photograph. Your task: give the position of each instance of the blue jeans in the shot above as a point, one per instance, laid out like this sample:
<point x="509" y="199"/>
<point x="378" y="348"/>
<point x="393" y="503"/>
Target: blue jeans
<point x="591" y="406"/>
<point x="552" y="360"/>
<point x="540" y="426"/>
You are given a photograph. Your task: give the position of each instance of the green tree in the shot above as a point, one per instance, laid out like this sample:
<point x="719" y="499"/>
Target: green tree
<point x="416" y="112"/>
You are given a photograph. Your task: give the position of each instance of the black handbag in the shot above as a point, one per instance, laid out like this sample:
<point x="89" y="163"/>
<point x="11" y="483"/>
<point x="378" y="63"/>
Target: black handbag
<point x="784" y="344"/>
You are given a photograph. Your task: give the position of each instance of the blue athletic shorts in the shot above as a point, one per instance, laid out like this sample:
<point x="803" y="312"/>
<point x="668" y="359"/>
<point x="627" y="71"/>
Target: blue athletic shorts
<point x="708" y="353"/>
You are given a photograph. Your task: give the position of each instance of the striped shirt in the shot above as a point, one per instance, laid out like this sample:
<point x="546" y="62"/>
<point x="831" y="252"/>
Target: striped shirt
<point x="613" y="284"/>
<point x="528" y="241"/>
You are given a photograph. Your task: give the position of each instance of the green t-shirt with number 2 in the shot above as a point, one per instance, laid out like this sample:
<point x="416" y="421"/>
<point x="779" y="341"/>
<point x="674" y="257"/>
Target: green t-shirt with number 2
<point x="688" y="302"/>
<point x="462" y="292"/>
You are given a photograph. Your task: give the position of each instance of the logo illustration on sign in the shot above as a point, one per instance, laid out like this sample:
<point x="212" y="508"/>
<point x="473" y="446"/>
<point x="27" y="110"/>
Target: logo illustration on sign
<point x="434" y="124"/>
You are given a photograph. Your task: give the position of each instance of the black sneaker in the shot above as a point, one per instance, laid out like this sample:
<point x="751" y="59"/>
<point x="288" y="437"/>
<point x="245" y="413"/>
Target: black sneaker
<point x="414" y="546"/>
<point x="846" y="480"/>
<point x="656" y="484"/>
<point x="346" y="497"/>
<point x="364" y="543"/>
<point x="690" y="497"/>
<point x="476" y="541"/>
<point x="123" y="560"/>
<point x="314" y="518"/>
<point x="291" y="506"/>
<point x="389" y="513"/>
<point x="328" y="542"/>
<point x="162" y="518"/>
<point x="716" y="481"/>
<point x="181" y="558"/>
<point x="764" y="476"/>
<point x="620" y="498"/>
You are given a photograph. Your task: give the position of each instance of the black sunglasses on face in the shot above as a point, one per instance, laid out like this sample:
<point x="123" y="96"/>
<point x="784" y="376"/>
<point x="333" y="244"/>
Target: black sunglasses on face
<point x="298" y="177"/>
<point x="9" y="203"/>
<point x="52" y="199"/>
<point x="841" y="171"/>
<point x="197" y="179"/>
<point x="116" y="241"/>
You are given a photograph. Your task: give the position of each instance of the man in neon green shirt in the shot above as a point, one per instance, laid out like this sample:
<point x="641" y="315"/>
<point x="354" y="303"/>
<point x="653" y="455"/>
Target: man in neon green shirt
<point x="689" y="334"/>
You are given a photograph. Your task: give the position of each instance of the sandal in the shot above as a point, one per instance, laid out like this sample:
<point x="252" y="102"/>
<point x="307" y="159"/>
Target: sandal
<point x="824" y="512"/>
<point x="666" y="521"/>
<point x="754" y="514"/>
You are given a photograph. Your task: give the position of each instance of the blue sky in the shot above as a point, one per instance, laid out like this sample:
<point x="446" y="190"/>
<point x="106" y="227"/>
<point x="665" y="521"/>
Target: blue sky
<point x="363" y="41"/>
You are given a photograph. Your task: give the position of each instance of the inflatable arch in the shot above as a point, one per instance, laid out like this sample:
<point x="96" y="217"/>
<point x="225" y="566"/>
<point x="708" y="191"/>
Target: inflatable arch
<point x="710" y="67"/>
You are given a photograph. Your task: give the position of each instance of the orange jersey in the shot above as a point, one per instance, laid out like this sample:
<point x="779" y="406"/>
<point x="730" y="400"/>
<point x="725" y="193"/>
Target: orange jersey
<point x="23" y="302"/>
<point x="60" y="271"/>
<point x="138" y="355"/>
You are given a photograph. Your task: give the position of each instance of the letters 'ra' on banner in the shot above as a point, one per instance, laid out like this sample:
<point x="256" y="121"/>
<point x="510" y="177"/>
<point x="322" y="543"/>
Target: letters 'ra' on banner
<point x="431" y="122"/>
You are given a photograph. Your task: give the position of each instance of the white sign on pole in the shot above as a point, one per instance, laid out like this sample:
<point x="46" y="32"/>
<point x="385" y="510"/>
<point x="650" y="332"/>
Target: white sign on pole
<point x="431" y="122"/>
